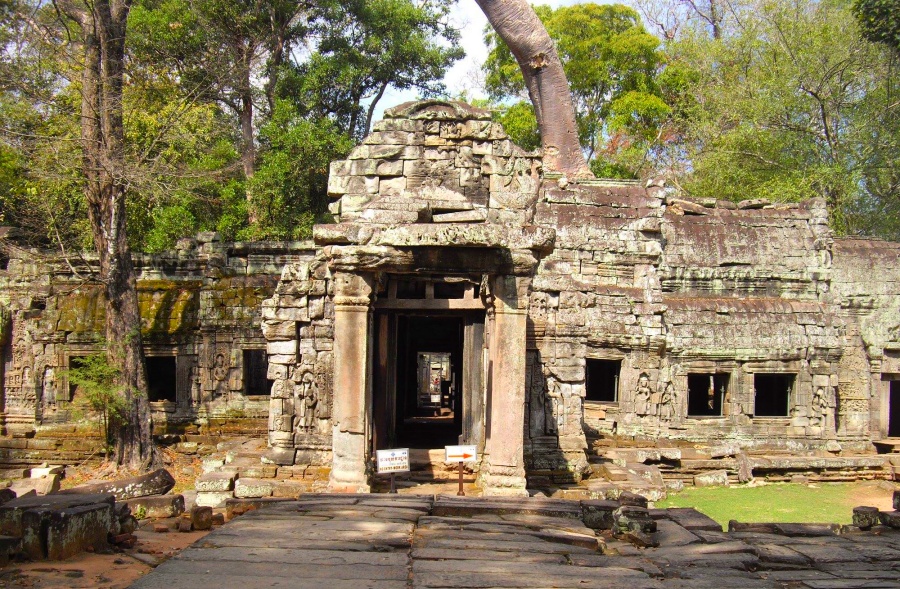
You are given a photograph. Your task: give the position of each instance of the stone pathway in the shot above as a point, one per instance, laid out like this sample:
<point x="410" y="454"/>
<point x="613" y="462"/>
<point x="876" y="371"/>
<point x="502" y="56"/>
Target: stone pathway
<point x="387" y="542"/>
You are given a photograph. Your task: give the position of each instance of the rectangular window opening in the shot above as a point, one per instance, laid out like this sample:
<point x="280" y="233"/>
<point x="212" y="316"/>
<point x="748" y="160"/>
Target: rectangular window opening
<point x="451" y="290"/>
<point x="706" y="394"/>
<point x="602" y="380"/>
<point x="161" y="378"/>
<point x="772" y="394"/>
<point x="256" y="367"/>
<point x="410" y="289"/>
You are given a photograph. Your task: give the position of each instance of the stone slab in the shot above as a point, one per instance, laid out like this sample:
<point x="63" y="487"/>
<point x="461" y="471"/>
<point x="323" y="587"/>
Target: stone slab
<point x="157" y="506"/>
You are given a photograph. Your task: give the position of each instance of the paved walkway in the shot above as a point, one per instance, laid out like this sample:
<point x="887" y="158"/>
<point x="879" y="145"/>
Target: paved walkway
<point x="407" y="542"/>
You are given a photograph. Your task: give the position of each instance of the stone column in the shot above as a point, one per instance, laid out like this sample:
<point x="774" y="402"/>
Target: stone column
<point x="351" y="383"/>
<point x="503" y="466"/>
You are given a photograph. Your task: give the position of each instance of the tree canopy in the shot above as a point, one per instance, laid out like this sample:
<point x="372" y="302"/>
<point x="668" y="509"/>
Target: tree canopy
<point x="612" y="64"/>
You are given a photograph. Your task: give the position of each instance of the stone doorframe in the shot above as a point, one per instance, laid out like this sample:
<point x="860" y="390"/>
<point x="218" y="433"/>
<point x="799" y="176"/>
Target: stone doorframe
<point x="507" y="290"/>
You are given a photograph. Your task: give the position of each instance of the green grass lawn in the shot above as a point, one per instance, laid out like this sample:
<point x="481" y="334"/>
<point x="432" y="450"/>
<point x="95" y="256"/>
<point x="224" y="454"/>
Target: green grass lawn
<point x="780" y="502"/>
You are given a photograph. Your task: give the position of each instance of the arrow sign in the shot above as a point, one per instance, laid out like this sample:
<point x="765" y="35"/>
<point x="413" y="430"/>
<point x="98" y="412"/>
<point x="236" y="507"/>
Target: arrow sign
<point x="461" y="454"/>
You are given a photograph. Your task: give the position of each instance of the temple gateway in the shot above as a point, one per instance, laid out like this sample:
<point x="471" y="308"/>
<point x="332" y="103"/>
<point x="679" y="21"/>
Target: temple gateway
<point x="464" y="295"/>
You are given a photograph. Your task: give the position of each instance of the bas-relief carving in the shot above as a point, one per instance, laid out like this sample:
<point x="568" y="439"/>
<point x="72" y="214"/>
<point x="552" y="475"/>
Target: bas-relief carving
<point x="643" y="394"/>
<point x="668" y="403"/>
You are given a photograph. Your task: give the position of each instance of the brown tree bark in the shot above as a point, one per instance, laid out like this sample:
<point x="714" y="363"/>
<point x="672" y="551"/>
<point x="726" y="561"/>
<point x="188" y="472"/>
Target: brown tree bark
<point x="524" y="33"/>
<point x="103" y="24"/>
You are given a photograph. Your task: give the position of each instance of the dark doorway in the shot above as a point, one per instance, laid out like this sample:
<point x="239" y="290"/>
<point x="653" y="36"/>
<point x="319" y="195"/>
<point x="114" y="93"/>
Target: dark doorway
<point x="894" y="410"/>
<point x="161" y="378"/>
<point x="773" y="394"/>
<point x="256" y="367"/>
<point x="429" y="380"/>
<point x="706" y="393"/>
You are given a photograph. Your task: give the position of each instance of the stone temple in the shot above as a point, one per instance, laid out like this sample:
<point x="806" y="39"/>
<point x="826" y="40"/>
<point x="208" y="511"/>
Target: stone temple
<point x="465" y="296"/>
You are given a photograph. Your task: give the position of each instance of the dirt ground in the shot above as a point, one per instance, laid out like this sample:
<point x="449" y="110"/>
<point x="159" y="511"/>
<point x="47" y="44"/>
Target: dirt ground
<point x="115" y="570"/>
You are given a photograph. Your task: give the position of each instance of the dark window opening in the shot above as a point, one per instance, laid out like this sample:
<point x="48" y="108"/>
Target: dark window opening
<point x="161" y="378"/>
<point x="74" y="362"/>
<point x="450" y="290"/>
<point x="256" y="366"/>
<point x="772" y="394"/>
<point x="894" y="410"/>
<point x="706" y="394"/>
<point x="602" y="380"/>
<point x="410" y="289"/>
<point x="38" y="304"/>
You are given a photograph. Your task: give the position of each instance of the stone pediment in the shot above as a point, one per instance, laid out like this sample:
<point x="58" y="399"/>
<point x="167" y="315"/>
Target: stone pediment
<point x="436" y="161"/>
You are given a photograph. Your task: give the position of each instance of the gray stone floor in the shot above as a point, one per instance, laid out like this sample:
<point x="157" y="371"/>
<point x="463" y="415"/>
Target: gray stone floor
<point x="387" y="542"/>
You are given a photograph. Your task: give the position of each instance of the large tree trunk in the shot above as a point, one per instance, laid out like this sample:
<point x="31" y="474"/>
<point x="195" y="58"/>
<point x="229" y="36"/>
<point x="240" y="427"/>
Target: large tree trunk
<point x="524" y="33"/>
<point x="103" y="24"/>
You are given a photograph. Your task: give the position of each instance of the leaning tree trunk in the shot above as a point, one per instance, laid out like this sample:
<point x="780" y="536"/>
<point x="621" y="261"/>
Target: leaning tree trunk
<point x="524" y="33"/>
<point x="103" y="24"/>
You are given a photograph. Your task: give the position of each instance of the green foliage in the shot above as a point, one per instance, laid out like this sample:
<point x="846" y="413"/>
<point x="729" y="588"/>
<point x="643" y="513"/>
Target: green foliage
<point x="289" y="187"/>
<point x="520" y="124"/>
<point x="791" y="104"/>
<point x="612" y="64"/>
<point x="364" y="47"/>
<point x="880" y="21"/>
<point x="97" y="381"/>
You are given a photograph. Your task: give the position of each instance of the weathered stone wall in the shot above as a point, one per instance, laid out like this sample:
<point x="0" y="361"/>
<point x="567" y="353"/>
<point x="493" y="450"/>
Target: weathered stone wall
<point x="200" y="306"/>
<point x="865" y="294"/>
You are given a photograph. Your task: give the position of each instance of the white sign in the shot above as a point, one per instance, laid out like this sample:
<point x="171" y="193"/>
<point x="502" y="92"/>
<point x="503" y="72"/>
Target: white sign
<point x="461" y="454"/>
<point x="396" y="460"/>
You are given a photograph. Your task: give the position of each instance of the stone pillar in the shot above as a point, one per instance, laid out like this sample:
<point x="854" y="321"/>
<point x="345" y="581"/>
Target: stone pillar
<point x="351" y="383"/>
<point x="503" y="467"/>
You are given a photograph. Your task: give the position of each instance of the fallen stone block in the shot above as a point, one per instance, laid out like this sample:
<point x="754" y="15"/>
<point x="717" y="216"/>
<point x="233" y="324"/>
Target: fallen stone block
<point x="629" y="498"/>
<point x="124" y="540"/>
<point x="157" y="506"/>
<point x="42" y="486"/>
<point x="78" y="529"/>
<point x="214" y="482"/>
<point x="715" y="478"/>
<point x="252" y="488"/>
<point x="213" y="498"/>
<point x="865" y="517"/>
<point x="26" y="517"/>
<point x="42" y="471"/>
<point x="158" y="482"/>
<point x="891" y="519"/>
<point x="185" y="525"/>
<point x="598" y="514"/>
<point x="629" y="518"/>
<point x="201" y="517"/>
<point x="756" y="528"/>
<point x="896" y="500"/>
<point x="218" y="519"/>
<point x="160" y="528"/>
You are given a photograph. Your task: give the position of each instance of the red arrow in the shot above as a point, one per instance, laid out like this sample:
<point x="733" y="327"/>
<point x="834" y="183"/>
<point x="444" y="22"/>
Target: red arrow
<point x="461" y="456"/>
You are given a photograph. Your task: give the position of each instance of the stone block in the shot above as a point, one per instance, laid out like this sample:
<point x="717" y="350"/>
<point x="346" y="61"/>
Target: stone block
<point x="259" y="471"/>
<point x="280" y="456"/>
<point x="42" y="485"/>
<point x="715" y="478"/>
<point x="214" y="482"/>
<point x="77" y="529"/>
<point x="9" y="547"/>
<point x="598" y="514"/>
<point x="201" y="517"/>
<point x="236" y="507"/>
<point x="896" y="500"/>
<point x="628" y="518"/>
<point x="157" y="506"/>
<point x="213" y="498"/>
<point x="252" y="488"/>
<point x="865" y="517"/>
<point x="891" y="519"/>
